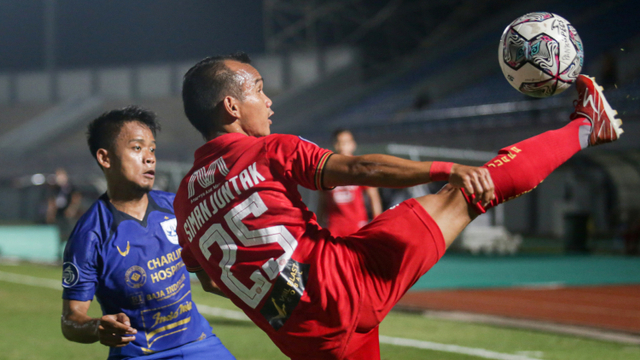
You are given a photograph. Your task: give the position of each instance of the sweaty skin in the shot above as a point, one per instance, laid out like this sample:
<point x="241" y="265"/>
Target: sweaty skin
<point x="249" y="116"/>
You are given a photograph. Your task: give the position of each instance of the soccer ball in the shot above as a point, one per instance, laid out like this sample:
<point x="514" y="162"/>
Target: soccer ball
<point x="541" y="54"/>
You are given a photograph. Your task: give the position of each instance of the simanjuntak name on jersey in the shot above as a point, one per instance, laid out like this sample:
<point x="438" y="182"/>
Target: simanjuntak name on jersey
<point x="219" y="199"/>
<point x="205" y="175"/>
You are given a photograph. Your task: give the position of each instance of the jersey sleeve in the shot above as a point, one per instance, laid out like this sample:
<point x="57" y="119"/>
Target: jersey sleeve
<point x="80" y="267"/>
<point x="299" y="160"/>
<point x="189" y="260"/>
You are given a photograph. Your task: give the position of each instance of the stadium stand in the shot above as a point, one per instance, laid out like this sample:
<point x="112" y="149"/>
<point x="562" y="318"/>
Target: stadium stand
<point x="447" y="78"/>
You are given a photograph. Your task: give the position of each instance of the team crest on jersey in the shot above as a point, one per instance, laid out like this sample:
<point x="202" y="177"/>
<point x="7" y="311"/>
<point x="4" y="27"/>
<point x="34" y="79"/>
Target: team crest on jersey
<point x="135" y="277"/>
<point x="205" y="175"/>
<point x="70" y="274"/>
<point x="169" y="227"/>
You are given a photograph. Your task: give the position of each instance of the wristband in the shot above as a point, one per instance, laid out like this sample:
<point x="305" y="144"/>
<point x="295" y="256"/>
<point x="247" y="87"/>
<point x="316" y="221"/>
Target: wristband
<point x="440" y="170"/>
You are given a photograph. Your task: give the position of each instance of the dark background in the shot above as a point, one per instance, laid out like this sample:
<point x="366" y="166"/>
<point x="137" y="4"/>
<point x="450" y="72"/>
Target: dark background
<point x="91" y="33"/>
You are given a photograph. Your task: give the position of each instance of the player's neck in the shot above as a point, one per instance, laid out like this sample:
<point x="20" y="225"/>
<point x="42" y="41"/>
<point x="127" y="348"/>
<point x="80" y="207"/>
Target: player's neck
<point x="134" y="205"/>
<point x="232" y="128"/>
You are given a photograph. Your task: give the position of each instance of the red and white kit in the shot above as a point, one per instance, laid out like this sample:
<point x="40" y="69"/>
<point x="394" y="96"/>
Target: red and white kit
<point x="242" y="220"/>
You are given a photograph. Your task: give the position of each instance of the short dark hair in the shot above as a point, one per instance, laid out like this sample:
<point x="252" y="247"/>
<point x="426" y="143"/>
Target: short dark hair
<point x="103" y="130"/>
<point x="205" y="85"/>
<point x="337" y="132"/>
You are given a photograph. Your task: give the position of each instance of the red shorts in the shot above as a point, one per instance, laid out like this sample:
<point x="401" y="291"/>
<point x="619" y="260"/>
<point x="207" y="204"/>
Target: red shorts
<point x="355" y="281"/>
<point x="394" y="251"/>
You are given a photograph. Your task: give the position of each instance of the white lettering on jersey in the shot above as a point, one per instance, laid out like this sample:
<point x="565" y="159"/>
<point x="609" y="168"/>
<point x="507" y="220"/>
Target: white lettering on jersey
<point x="220" y="198"/>
<point x="205" y="176"/>
<point x="215" y="234"/>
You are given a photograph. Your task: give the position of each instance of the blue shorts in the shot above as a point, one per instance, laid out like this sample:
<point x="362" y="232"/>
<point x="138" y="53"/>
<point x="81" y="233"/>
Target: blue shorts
<point x="209" y="348"/>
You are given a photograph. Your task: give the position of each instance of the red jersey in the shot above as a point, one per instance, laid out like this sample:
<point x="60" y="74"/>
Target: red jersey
<point x="345" y="210"/>
<point x="242" y="220"/>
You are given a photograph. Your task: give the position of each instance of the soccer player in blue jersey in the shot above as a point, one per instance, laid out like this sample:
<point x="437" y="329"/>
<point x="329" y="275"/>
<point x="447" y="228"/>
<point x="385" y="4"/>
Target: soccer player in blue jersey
<point x="125" y="251"/>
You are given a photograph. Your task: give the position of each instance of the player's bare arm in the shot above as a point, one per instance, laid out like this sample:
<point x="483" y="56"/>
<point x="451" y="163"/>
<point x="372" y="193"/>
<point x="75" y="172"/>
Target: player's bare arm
<point x="390" y="171"/>
<point x="209" y="285"/>
<point x="111" y="330"/>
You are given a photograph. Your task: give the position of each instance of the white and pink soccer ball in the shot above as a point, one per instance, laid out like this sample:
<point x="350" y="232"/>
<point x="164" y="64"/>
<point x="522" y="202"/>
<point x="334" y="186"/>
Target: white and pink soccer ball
<point x="541" y="54"/>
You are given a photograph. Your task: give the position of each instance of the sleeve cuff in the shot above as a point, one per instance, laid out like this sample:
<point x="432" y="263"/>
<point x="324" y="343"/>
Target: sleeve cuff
<point x="194" y="269"/>
<point x="320" y="171"/>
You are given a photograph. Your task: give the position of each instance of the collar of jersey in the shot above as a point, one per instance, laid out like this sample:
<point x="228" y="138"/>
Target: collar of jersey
<point x="119" y="216"/>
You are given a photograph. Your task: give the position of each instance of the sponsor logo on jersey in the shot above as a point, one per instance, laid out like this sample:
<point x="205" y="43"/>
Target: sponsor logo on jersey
<point x="168" y="291"/>
<point x="160" y="317"/>
<point x="169" y="227"/>
<point x="126" y="252"/>
<point x="70" y="274"/>
<point x="135" y="277"/>
<point x="287" y="291"/>
<point x="166" y="320"/>
<point x="344" y="194"/>
<point x="137" y="299"/>
<point x="205" y="175"/>
<point x="161" y="268"/>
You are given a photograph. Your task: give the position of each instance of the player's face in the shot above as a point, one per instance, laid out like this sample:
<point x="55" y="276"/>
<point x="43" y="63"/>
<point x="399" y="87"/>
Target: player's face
<point x="255" y="108"/>
<point x="345" y="144"/>
<point x="134" y="162"/>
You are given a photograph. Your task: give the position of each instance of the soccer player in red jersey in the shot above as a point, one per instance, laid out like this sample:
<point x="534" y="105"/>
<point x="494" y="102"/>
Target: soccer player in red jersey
<point x="241" y="218"/>
<point x="343" y="209"/>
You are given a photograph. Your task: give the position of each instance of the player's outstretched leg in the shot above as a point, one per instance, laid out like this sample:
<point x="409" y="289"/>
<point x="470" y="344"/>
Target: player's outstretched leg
<point x="397" y="249"/>
<point x="519" y="168"/>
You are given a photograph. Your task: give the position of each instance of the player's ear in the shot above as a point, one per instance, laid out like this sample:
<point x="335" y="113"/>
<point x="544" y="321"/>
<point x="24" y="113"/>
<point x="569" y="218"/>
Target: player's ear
<point x="231" y="106"/>
<point x="102" y="155"/>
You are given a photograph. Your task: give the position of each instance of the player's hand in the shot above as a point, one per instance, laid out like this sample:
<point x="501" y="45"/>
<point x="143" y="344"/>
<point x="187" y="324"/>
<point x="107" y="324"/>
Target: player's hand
<point x="475" y="181"/>
<point x="116" y="330"/>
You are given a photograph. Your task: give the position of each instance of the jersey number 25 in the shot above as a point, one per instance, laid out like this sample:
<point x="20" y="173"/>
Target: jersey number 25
<point x="248" y="238"/>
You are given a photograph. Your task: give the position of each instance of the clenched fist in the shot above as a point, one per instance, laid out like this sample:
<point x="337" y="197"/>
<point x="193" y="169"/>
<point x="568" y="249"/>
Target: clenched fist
<point x="474" y="180"/>
<point x="116" y="330"/>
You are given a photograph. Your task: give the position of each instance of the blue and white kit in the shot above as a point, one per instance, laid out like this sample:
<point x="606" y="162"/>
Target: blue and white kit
<point x="134" y="267"/>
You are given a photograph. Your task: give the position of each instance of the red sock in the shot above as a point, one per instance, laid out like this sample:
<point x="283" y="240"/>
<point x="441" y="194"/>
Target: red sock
<point x="521" y="167"/>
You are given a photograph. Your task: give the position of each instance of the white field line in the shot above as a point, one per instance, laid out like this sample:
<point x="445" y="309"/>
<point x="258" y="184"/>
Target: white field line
<point x="583" y="331"/>
<point x="419" y="344"/>
<point x="239" y="315"/>
<point x="30" y="280"/>
<point x="223" y="313"/>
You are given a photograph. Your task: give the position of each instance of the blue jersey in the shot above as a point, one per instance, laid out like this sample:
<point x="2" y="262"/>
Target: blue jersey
<point x="134" y="267"/>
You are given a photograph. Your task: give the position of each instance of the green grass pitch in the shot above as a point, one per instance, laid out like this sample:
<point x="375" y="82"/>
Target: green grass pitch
<point x="30" y="330"/>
